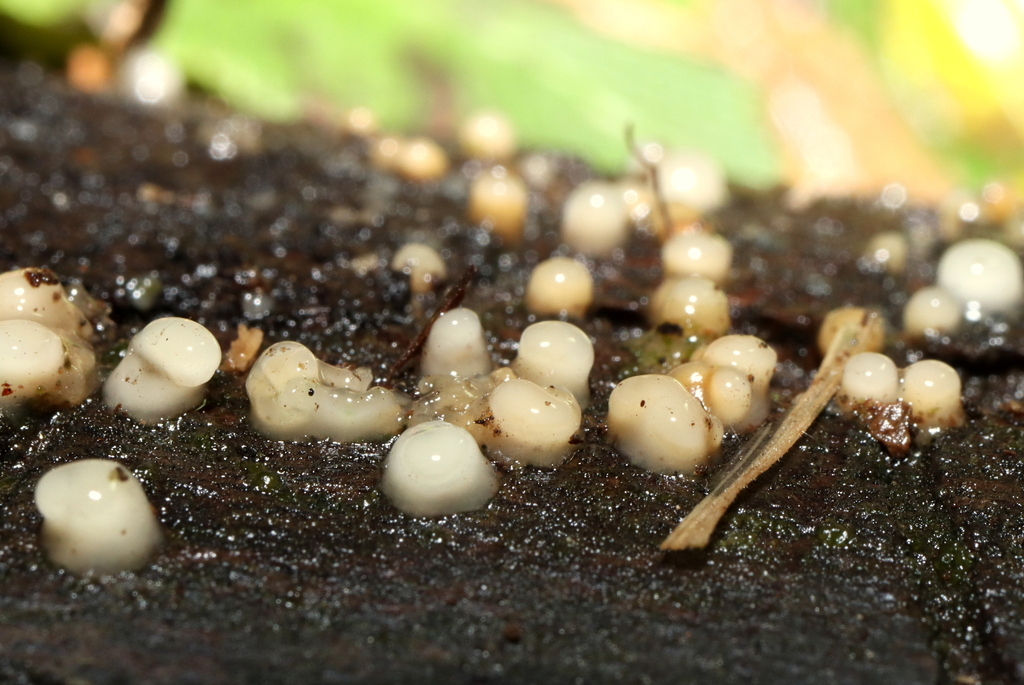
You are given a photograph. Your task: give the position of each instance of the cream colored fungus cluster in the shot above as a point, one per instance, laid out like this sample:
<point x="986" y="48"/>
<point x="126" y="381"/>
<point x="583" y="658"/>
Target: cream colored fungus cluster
<point x="469" y="416"/>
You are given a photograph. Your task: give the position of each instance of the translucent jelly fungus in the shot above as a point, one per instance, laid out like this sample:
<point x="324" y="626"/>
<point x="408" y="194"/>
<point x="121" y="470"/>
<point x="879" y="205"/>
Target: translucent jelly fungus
<point x="697" y="254"/>
<point x="724" y="391"/>
<point x="420" y="159"/>
<point x="932" y="311"/>
<point x="487" y="135"/>
<point x="165" y="370"/>
<point x="96" y="517"/>
<point x="529" y="424"/>
<point x="932" y="389"/>
<point x="595" y="219"/>
<point x="836" y="319"/>
<point x="41" y="368"/>
<point x="459" y="401"/>
<point x="692" y="179"/>
<point x="435" y="469"/>
<point x="295" y="396"/>
<point x="560" y="286"/>
<point x="694" y="303"/>
<point x="985" y="276"/>
<point x="752" y="357"/>
<point x="888" y="249"/>
<point x="499" y="202"/>
<point x="37" y="295"/>
<point x="422" y="264"/>
<point x="869" y="377"/>
<point x="456" y="346"/>
<point x="556" y="353"/>
<point x="660" y="426"/>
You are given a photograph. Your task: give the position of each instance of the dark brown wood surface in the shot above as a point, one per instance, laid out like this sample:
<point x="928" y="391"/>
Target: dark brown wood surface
<point x="285" y="564"/>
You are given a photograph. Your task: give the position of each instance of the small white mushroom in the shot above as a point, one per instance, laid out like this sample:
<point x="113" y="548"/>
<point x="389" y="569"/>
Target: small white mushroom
<point x="560" y="286"/>
<point x="436" y="469"/>
<point x="556" y="353"/>
<point x="37" y="295"/>
<point x="165" y="370"/>
<point x="487" y="135"/>
<point x="750" y="356"/>
<point x="692" y="179"/>
<point x="149" y="77"/>
<point x="422" y="264"/>
<point x="41" y="368"/>
<point x="984" y="275"/>
<point x="694" y="303"/>
<point x="359" y="121"/>
<point x="888" y="249"/>
<point x="932" y="389"/>
<point x="499" y="202"/>
<point x="295" y="396"/>
<point x="528" y="424"/>
<point x="932" y="310"/>
<point x="96" y="517"/>
<point x="837" y="319"/>
<point x="420" y="159"/>
<point x="723" y="390"/>
<point x="456" y="346"/>
<point x="868" y="377"/>
<point x="595" y="219"/>
<point x="697" y="254"/>
<point x="660" y="426"/>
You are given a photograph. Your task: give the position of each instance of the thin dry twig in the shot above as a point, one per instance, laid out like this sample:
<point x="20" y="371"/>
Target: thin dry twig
<point x="452" y="298"/>
<point x="652" y="177"/>
<point x="766" y="448"/>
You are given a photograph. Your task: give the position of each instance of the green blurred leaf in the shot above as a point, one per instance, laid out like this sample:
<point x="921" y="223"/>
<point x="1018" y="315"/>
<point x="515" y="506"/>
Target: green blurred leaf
<point x="563" y="86"/>
<point x="41" y="12"/>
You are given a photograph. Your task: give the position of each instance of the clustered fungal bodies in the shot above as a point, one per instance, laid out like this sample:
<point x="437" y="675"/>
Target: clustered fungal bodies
<point x="165" y="370"/>
<point x="930" y="387"/>
<point x="295" y="396"/>
<point x="46" y="358"/>
<point x="96" y="517"/>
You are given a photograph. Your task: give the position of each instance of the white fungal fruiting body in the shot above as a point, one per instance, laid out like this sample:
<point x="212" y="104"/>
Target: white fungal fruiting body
<point x="560" y="286"/>
<point x="294" y="396"/>
<point x="556" y="353"/>
<point x="487" y="135"/>
<point x="660" y="426"/>
<point x="869" y="377"/>
<point x="932" y="310"/>
<point x="888" y="249"/>
<point x="499" y="202"/>
<point x="37" y="295"/>
<point x="697" y="254"/>
<point x="459" y="401"/>
<point x="724" y="391"/>
<point x="38" y="366"/>
<point x="151" y="78"/>
<point x="456" y="346"/>
<point x="359" y="121"/>
<point x="436" y="469"/>
<point x="420" y="159"/>
<point x="528" y="424"/>
<point x="164" y="371"/>
<point x="595" y="219"/>
<point x="422" y="264"/>
<point x="753" y="358"/>
<point x="692" y="179"/>
<point x="694" y="303"/>
<point x="985" y="276"/>
<point x="96" y="517"/>
<point x="932" y="389"/>
<point x="837" y="319"/>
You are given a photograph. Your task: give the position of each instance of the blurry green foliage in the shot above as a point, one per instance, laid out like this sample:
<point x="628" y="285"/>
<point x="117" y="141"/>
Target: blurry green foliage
<point x="563" y="86"/>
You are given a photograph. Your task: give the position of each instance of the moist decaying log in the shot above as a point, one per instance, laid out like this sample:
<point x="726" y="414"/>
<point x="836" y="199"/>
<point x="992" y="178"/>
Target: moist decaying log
<point x="284" y="564"/>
